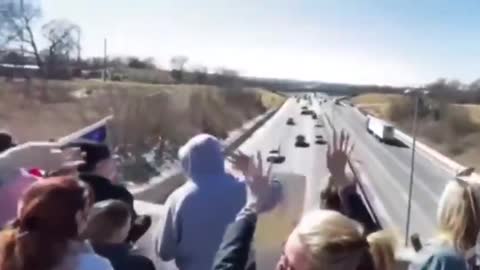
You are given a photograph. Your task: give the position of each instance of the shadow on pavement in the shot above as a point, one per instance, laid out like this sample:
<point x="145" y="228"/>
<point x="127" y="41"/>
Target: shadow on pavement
<point x="396" y="142"/>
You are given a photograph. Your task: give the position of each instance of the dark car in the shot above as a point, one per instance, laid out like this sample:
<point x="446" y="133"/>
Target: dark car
<point x="276" y="158"/>
<point x="318" y="125"/>
<point x="320" y="140"/>
<point x="314" y="116"/>
<point x="301" y="142"/>
<point x="304" y="108"/>
<point x="290" y="122"/>
<point x="307" y="112"/>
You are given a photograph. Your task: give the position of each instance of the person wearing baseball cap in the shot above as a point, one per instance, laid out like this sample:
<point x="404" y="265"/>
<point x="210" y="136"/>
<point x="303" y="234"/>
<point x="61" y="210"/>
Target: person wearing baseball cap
<point x="6" y="141"/>
<point x="100" y="172"/>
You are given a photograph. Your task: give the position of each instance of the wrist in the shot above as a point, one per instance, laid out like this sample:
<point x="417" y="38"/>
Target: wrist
<point x="339" y="177"/>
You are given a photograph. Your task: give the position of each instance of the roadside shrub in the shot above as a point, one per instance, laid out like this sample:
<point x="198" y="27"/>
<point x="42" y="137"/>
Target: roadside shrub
<point x="433" y="131"/>
<point x="401" y="109"/>
<point x="460" y="122"/>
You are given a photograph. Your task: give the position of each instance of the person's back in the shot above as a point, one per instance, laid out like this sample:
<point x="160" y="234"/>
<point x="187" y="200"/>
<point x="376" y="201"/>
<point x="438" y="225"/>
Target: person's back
<point x="200" y="210"/>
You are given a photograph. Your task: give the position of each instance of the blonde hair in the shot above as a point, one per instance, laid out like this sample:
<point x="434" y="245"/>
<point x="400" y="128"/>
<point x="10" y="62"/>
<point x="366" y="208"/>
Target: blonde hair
<point x="335" y="241"/>
<point x="457" y="214"/>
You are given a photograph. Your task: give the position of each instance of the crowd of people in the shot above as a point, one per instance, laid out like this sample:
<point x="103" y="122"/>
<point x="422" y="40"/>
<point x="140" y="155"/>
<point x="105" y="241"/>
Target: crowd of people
<point x="61" y="207"/>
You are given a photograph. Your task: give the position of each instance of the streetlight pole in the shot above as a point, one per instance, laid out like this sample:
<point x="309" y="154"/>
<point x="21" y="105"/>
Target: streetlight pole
<point x="412" y="169"/>
<point x="22" y="51"/>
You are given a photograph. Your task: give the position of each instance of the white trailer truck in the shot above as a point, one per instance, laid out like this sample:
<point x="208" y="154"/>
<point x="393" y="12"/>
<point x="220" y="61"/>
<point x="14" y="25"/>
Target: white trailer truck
<point x="380" y="129"/>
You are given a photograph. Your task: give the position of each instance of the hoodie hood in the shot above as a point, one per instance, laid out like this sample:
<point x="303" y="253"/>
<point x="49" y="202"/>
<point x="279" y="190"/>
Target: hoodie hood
<point x="202" y="155"/>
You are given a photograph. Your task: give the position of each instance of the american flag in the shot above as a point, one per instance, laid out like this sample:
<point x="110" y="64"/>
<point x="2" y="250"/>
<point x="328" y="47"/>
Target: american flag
<point x="96" y="132"/>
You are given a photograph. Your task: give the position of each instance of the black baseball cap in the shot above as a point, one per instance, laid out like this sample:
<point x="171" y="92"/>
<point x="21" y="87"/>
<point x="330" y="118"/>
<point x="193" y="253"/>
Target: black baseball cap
<point x="6" y="141"/>
<point x="94" y="153"/>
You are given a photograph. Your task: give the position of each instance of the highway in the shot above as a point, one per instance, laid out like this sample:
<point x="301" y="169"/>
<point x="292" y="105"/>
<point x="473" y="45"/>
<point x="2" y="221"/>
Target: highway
<point x="386" y="168"/>
<point x="275" y="134"/>
<point x="309" y="162"/>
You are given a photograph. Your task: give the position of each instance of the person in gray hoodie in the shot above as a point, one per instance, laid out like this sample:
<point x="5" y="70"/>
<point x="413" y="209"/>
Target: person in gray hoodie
<point x="199" y="211"/>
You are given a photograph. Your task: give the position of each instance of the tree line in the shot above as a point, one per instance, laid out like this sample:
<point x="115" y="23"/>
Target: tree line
<point x="61" y="57"/>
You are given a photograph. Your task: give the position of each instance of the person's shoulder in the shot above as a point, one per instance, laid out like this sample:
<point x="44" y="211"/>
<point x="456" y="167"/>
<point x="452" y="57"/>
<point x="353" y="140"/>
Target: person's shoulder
<point x="185" y="190"/>
<point x="440" y="258"/>
<point x="140" y="262"/>
<point x="92" y="261"/>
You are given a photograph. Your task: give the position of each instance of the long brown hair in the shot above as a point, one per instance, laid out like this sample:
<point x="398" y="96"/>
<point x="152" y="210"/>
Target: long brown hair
<point x="45" y="224"/>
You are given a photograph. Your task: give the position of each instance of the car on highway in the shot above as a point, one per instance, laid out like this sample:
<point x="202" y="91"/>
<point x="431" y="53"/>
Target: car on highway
<point x="275" y="157"/>
<point x="300" y="141"/>
<point x="290" y="121"/>
<point x="304" y="108"/>
<point x="314" y="116"/>
<point x="320" y="140"/>
<point x="307" y="112"/>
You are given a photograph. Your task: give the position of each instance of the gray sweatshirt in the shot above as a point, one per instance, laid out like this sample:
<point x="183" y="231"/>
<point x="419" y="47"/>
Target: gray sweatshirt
<point x="200" y="210"/>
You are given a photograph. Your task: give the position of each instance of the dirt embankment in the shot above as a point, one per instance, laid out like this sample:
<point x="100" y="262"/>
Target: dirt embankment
<point x="145" y="116"/>
<point x="452" y="129"/>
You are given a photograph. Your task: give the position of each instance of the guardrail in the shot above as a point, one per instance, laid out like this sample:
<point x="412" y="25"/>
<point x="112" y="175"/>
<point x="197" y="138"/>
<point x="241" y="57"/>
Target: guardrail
<point x="159" y="190"/>
<point x="435" y="156"/>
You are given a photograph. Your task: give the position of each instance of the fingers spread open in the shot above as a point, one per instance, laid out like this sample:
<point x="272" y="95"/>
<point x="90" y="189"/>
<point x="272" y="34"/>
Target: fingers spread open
<point x="334" y="140"/>
<point x="346" y="144"/>
<point x="342" y="140"/>
<point x="352" y="147"/>
<point x="259" y="161"/>
<point x="269" y="171"/>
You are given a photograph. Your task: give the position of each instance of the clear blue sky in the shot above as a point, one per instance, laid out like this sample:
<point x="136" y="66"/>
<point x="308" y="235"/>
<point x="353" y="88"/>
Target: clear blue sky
<point x="355" y="41"/>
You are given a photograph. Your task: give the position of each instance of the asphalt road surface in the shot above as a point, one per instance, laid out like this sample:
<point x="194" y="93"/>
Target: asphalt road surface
<point x="309" y="162"/>
<point x="386" y="168"/>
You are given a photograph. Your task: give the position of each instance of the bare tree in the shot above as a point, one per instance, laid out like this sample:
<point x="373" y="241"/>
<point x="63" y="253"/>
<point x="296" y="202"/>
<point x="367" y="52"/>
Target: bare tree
<point x="177" y="64"/>
<point x="63" y="42"/>
<point x="16" y="28"/>
<point x="227" y="78"/>
<point x="200" y="73"/>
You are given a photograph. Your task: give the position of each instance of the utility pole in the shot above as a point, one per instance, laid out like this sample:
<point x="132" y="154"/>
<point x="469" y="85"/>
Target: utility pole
<point x="105" y="60"/>
<point x="22" y="53"/>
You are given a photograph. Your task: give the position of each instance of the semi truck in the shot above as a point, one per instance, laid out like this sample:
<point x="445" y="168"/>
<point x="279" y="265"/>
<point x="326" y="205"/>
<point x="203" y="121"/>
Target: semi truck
<point x="380" y="129"/>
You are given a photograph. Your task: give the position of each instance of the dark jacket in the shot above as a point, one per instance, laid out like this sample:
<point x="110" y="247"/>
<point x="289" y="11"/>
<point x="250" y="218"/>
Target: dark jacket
<point x="235" y="247"/>
<point x="353" y="206"/>
<point x="121" y="257"/>
<point x="104" y="189"/>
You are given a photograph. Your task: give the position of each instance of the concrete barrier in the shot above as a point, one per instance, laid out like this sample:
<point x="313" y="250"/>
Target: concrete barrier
<point x="160" y="189"/>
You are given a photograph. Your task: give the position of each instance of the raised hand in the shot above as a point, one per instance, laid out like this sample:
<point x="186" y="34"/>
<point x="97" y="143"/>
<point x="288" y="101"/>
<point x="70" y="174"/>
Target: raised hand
<point x="258" y="184"/>
<point x="337" y="157"/>
<point x="44" y="155"/>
